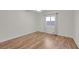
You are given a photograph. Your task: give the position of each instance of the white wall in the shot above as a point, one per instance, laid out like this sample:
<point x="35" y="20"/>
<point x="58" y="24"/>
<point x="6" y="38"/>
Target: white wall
<point x="76" y="27"/>
<point x="16" y="23"/>
<point x="64" y="22"/>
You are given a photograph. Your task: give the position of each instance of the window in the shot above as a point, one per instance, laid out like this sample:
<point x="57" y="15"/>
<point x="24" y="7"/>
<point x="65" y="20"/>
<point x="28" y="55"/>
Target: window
<point x="47" y="19"/>
<point x="50" y="20"/>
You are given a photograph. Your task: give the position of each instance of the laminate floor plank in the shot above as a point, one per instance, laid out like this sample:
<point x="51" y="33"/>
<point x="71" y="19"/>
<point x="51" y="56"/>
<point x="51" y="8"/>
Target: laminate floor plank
<point x="39" y="40"/>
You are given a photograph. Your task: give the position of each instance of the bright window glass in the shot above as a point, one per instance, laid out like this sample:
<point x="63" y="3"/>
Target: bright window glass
<point x="50" y="20"/>
<point x="47" y="18"/>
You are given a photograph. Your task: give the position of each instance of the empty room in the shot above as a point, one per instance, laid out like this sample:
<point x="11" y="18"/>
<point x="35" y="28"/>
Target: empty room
<point x="39" y="29"/>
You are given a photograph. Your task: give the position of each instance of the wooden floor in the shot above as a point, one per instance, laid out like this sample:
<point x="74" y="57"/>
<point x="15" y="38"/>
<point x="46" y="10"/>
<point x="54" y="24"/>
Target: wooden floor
<point x="39" y="40"/>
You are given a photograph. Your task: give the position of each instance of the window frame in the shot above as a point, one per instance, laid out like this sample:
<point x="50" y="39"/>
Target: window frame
<point x="50" y="22"/>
